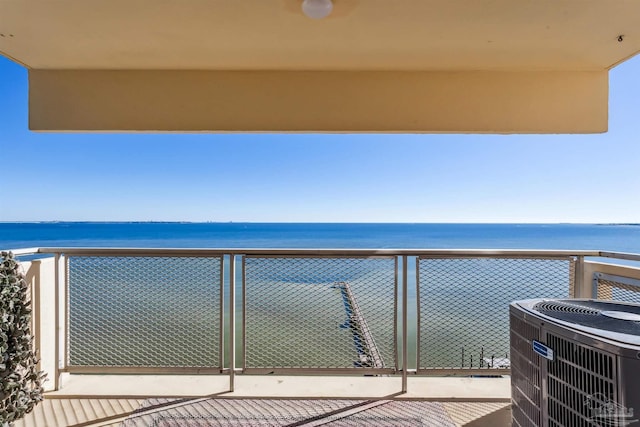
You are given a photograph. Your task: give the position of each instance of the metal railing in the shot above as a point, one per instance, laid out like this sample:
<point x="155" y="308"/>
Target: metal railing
<point x="319" y="313"/>
<point x="464" y="306"/>
<point x="616" y="288"/>
<point x="351" y="311"/>
<point x="151" y="313"/>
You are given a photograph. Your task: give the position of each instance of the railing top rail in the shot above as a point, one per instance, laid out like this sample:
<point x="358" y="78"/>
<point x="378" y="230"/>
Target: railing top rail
<point x="185" y="252"/>
<point x="24" y="251"/>
<point x="320" y="252"/>
<point x="625" y="267"/>
<point x="620" y="255"/>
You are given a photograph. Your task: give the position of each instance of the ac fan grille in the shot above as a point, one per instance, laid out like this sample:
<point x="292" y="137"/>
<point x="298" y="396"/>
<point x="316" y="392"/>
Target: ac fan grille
<point x="558" y="307"/>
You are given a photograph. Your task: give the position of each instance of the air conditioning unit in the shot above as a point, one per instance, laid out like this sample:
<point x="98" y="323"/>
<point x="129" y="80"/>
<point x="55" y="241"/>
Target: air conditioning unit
<point x="575" y="362"/>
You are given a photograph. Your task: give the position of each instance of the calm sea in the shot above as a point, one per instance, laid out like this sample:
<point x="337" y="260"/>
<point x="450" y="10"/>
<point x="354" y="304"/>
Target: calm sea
<point x="624" y="238"/>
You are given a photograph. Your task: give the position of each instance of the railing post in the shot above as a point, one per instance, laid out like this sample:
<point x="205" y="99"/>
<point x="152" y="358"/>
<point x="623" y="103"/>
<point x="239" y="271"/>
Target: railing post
<point x="65" y="312"/>
<point x="417" y="306"/>
<point x="232" y="321"/>
<point x="405" y="366"/>
<point x="221" y="328"/>
<point x="36" y="267"/>
<point x="580" y="286"/>
<point x="243" y="353"/>
<point x="56" y="348"/>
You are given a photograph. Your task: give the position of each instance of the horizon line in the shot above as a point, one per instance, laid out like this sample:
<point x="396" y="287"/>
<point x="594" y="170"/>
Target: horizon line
<point x="313" y="222"/>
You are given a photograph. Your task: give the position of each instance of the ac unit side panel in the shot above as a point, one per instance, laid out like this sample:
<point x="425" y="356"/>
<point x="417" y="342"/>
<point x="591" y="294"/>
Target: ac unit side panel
<point x="629" y="387"/>
<point x="525" y="372"/>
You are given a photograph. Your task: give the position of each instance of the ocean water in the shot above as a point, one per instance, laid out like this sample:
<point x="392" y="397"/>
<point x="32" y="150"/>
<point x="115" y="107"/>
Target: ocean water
<point x="624" y="238"/>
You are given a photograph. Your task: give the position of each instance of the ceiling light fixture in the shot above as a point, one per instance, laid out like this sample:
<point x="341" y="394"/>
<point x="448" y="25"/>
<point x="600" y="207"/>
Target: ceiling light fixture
<point x="317" y="9"/>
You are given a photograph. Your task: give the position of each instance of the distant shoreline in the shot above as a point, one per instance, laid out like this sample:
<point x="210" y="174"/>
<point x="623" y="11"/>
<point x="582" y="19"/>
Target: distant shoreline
<point x="561" y="236"/>
<point x="632" y="224"/>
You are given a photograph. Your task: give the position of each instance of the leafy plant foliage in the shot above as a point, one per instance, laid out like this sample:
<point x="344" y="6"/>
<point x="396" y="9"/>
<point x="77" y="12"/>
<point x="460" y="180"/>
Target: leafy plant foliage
<point x="20" y="381"/>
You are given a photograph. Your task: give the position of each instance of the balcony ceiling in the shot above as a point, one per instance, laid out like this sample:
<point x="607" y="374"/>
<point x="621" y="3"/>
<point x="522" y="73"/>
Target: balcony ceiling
<point x="476" y="66"/>
<point x="359" y="35"/>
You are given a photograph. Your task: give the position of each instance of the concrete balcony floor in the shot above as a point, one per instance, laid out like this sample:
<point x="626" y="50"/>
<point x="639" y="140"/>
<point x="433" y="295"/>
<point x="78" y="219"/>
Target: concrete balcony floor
<point x="205" y="400"/>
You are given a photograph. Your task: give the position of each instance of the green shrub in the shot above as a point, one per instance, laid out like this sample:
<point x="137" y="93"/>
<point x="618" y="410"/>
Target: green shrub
<point x="20" y="381"/>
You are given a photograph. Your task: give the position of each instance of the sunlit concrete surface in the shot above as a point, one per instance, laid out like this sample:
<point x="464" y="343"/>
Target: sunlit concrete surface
<point x="134" y="386"/>
<point x="141" y="400"/>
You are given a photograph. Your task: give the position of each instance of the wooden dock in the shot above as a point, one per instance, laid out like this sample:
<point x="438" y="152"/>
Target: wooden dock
<point x="368" y="351"/>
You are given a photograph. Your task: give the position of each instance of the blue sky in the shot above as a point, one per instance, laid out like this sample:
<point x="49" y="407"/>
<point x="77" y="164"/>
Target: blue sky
<point x="321" y="178"/>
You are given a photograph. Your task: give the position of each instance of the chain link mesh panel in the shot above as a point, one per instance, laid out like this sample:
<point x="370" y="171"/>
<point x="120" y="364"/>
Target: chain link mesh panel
<point x="144" y="311"/>
<point x="320" y="312"/>
<point x="464" y="305"/>
<point x="618" y="289"/>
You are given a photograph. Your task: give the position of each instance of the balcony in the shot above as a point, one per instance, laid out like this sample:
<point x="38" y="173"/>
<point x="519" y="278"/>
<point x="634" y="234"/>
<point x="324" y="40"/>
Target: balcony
<point x="137" y="337"/>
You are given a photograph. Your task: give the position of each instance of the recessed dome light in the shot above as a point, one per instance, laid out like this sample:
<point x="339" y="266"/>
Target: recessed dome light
<point x="317" y="9"/>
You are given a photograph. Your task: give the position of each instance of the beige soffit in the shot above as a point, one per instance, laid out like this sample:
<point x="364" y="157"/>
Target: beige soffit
<point x="360" y="34"/>
<point x="422" y="64"/>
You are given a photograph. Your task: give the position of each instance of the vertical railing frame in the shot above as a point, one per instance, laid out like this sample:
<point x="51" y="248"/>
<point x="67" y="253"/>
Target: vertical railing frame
<point x="418" y="314"/>
<point x="36" y="311"/>
<point x="66" y="314"/>
<point x="232" y="321"/>
<point x="595" y="279"/>
<point x="405" y="366"/>
<point x="56" y="344"/>
<point x="579" y="289"/>
<point x="244" y="314"/>
<point x="221" y="346"/>
<point x="395" y="316"/>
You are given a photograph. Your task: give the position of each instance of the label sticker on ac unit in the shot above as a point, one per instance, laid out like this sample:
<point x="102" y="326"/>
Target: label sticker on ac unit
<point x="542" y="350"/>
